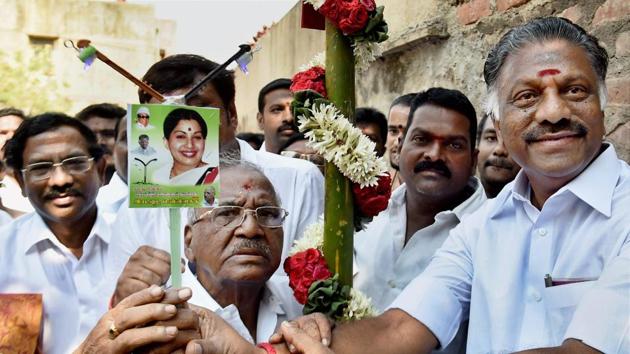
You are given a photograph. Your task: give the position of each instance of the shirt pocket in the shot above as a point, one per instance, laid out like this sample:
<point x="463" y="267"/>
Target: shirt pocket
<point x="561" y="302"/>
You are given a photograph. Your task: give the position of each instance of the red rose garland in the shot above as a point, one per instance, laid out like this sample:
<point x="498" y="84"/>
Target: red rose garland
<point x="350" y="16"/>
<point x="372" y="200"/>
<point x="311" y="79"/>
<point x="303" y="269"/>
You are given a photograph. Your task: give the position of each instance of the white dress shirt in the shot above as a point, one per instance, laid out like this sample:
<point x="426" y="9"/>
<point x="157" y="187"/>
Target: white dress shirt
<point x="384" y="265"/>
<point x="277" y="305"/>
<point x="34" y="261"/>
<point x="299" y="185"/>
<point x="111" y="196"/>
<point x="11" y="195"/>
<point x="492" y="268"/>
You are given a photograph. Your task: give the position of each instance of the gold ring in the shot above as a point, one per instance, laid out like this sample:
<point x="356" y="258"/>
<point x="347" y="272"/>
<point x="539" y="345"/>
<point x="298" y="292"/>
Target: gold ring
<point x="113" y="331"/>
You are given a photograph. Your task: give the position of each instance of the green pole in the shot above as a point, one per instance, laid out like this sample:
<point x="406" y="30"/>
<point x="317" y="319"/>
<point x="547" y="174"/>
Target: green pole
<point x="175" y="223"/>
<point x="338" y="205"/>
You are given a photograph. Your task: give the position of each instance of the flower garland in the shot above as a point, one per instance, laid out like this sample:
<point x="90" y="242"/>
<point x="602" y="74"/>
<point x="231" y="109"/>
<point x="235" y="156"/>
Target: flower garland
<point x="316" y="287"/>
<point x="361" y="21"/>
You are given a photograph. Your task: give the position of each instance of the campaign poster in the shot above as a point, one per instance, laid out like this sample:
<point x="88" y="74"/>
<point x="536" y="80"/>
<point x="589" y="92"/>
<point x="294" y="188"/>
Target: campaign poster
<point x="173" y="156"/>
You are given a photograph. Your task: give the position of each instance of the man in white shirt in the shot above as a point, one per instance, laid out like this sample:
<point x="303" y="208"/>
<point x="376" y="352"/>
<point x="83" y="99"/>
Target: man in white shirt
<point x="545" y="266"/>
<point x="233" y="251"/>
<point x="11" y="199"/>
<point x="274" y="116"/>
<point x="437" y="163"/>
<point x="396" y="124"/>
<point x="299" y="184"/>
<point x="143" y="147"/>
<point x="59" y="250"/>
<point x="112" y="195"/>
<point x="496" y="167"/>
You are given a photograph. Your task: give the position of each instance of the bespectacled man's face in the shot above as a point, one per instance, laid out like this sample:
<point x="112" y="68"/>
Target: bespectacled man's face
<point x="63" y="196"/>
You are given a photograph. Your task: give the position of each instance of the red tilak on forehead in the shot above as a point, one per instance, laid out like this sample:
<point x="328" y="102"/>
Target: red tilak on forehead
<point x="545" y="72"/>
<point x="247" y="186"/>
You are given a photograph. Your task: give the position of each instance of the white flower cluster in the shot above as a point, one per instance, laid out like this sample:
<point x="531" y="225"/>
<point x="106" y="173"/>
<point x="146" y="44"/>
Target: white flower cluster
<point x="316" y="3"/>
<point x="360" y="306"/>
<point x="313" y="237"/>
<point x="365" y="53"/>
<point x="339" y="142"/>
<point x="318" y="60"/>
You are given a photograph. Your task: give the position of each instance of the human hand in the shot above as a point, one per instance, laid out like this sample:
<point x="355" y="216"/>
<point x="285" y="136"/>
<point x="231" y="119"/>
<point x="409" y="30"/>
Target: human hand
<point x="186" y="321"/>
<point x="218" y="337"/>
<point x="299" y="341"/>
<point x="120" y="329"/>
<point x="315" y="325"/>
<point x="147" y="266"/>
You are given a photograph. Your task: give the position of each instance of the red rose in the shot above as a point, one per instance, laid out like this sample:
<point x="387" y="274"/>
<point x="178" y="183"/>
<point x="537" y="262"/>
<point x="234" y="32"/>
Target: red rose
<point x="330" y="10"/>
<point x="311" y="79"/>
<point x="354" y="17"/>
<point x="370" y="5"/>
<point x="303" y="269"/>
<point x="372" y="200"/>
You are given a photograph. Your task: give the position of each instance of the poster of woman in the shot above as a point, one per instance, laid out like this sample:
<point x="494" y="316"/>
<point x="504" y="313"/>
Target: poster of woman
<point x="184" y="166"/>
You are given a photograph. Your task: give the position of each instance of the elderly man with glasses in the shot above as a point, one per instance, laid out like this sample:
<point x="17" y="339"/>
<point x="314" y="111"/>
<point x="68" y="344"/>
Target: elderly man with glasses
<point x="232" y="251"/>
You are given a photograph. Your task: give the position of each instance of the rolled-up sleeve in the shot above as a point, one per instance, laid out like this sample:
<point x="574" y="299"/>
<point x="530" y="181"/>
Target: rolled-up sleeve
<point x="440" y="296"/>
<point x="602" y="317"/>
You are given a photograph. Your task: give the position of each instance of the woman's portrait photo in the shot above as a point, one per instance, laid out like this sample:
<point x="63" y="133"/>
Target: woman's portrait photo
<point x="185" y="133"/>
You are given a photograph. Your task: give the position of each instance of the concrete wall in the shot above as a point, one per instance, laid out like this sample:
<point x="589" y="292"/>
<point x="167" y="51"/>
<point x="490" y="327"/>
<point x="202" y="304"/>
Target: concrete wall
<point x="445" y="42"/>
<point x="129" y="34"/>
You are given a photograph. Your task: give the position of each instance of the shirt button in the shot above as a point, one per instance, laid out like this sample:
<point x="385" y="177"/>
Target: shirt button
<point x="391" y="284"/>
<point x="535" y="296"/>
<point x="542" y="232"/>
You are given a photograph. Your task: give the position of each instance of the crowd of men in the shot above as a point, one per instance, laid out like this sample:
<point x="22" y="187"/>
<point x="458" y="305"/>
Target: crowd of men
<point x="507" y="235"/>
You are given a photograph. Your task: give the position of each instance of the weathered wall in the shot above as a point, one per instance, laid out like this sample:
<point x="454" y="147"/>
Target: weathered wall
<point x="129" y="34"/>
<point x="445" y="42"/>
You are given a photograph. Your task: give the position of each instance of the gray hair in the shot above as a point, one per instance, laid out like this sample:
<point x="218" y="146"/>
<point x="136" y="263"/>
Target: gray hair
<point x="229" y="161"/>
<point x="537" y="31"/>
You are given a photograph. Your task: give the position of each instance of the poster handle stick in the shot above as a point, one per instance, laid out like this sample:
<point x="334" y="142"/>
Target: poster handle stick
<point x="175" y="223"/>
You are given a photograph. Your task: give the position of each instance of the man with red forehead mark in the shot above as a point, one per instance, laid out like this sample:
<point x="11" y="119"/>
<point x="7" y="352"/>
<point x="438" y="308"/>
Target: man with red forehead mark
<point x="544" y="266"/>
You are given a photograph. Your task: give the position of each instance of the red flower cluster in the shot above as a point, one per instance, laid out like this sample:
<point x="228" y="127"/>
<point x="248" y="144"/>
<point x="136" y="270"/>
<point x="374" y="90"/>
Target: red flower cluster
<point x="303" y="269"/>
<point x="373" y="200"/>
<point x="311" y="79"/>
<point x="350" y="16"/>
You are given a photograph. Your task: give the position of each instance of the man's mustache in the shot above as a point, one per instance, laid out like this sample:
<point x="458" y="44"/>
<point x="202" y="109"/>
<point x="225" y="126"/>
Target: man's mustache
<point x="288" y="126"/>
<point x="438" y="166"/>
<point x="259" y="245"/>
<point x="565" y="124"/>
<point x="57" y="192"/>
<point x="499" y="162"/>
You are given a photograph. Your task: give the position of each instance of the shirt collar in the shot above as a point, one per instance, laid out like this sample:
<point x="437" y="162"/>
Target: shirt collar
<point x="478" y="196"/>
<point x="595" y="185"/>
<point x="202" y="297"/>
<point x="38" y="232"/>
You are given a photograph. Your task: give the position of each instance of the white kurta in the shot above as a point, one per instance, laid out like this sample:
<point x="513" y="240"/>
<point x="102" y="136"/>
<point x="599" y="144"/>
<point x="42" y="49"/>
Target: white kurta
<point x="493" y="264"/>
<point x="111" y="197"/>
<point x="34" y="261"/>
<point x="384" y="265"/>
<point x="299" y="185"/>
<point x="277" y="305"/>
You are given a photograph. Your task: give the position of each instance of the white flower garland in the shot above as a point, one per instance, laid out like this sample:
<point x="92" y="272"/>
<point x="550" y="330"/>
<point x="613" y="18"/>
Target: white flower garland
<point x="318" y="60"/>
<point x="365" y="53"/>
<point x="339" y="142"/>
<point x="360" y="306"/>
<point x="313" y="237"/>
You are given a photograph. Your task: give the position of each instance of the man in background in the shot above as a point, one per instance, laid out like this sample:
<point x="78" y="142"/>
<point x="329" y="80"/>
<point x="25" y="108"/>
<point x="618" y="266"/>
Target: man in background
<point x="101" y="118"/>
<point x="274" y="115"/>
<point x="374" y="125"/>
<point x="12" y="202"/>
<point x="396" y="125"/>
<point x="496" y="167"/>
